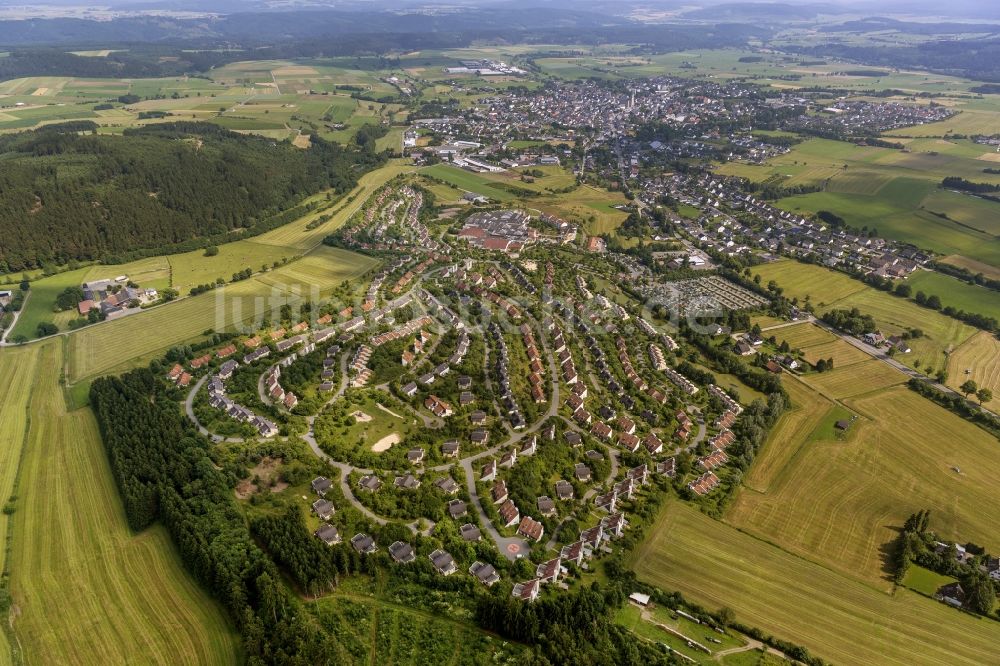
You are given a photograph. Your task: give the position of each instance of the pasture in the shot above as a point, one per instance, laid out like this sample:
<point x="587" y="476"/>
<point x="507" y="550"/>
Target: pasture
<point x="838" y="618"/>
<point x="42" y="300"/>
<point x="121" y="597"/>
<point x="980" y="356"/>
<point x="956" y="293"/>
<point x="468" y="181"/>
<point x="840" y="501"/>
<point x="817" y="344"/>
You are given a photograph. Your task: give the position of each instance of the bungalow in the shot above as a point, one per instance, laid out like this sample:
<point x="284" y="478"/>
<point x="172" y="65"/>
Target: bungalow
<point x="572" y="553"/>
<point x="601" y="430"/>
<point x="438" y="407"/>
<point x="573" y="438"/>
<point x="443" y="562"/>
<point x="415" y="456"/>
<point x="653" y="444"/>
<point x="484" y="572"/>
<point x="323" y="508"/>
<point x="527" y="591"/>
<point x="410" y="390"/>
<point x="592" y="537"/>
<point x="548" y="572"/>
<point x="629" y="442"/>
<point x="614" y="524"/>
<point x="546" y="506"/>
<point x="477" y="417"/>
<point x="564" y="489"/>
<point x="509" y="458"/>
<point x="407" y="482"/>
<point x="447" y="485"/>
<point x="450" y="448"/>
<point x="321" y="485"/>
<point x="457" y="508"/>
<point x="499" y="492"/>
<point x="363" y="543"/>
<point x="509" y="515"/>
<point x="951" y="594"/>
<point x="370" y="483"/>
<point x="402" y="553"/>
<point x="530" y="447"/>
<point x="489" y="472"/>
<point x="667" y="468"/>
<point x="480" y="436"/>
<point x="582" y="472"/>
<point x="470" y="532"/>
<point x="607" y="501"/>
<point x="328" y="534"/>
<point x="531" y="529"/>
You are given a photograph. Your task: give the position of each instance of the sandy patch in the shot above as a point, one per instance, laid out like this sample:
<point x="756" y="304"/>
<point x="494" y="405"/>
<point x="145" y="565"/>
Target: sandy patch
<point x="302" y="141"/>
<point x="386" y="443"/>
<point x="361" y="417"/>
<point x="989" y="157"/>
<point x="39" y="92"/>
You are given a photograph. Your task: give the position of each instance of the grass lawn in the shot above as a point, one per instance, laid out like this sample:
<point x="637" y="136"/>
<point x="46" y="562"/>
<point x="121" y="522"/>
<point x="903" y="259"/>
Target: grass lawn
<point x="42" y="300"/>
<point x="924" y="580"/>
<point x="838" y="618"/>
<point x="630" y="617"/>
<point x="840" y="501"/>
<point x="87" y="589"/>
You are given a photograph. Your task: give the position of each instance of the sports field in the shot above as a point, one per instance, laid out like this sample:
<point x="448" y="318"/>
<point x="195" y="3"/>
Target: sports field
<point x="468" y="181"/>
<point x="980" y="356"/>
<point x="839" y="619"/>
<point x="839" y="502"/>
<point x="87" y="590"/>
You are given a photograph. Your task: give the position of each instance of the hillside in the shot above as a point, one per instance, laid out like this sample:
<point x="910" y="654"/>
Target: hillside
<point x="67" y="194"/>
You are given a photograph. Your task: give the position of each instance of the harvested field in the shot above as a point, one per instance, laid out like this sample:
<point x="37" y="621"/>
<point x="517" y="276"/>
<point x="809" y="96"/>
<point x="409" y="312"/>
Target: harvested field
<point x="839" y="619"/>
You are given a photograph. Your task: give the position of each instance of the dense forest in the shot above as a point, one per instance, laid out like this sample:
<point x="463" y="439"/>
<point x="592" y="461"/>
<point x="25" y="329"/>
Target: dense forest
<point x="68" y="193"/>
<point x="164" y="473"/>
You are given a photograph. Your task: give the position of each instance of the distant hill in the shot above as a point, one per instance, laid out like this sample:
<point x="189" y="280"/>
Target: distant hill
<point x="69" y="194"/>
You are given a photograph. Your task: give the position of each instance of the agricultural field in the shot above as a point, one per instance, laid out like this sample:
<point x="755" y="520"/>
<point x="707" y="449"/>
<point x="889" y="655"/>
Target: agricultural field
<point x="977" y="359"/>
<point x="817" y="344"/>
<point x="589" y="206"/>
<point x="840" y="501"/>
<point x="41" y="301"/>
<point x="829" y="289"/>
<point x="844" y="381"/>
<point x="838" y="618"/>
<point x="20" y="368"/>
<point x="122" y="596"/>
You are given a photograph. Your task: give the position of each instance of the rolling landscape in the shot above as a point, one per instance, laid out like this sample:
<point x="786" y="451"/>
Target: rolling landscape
<point x="364" y="333"/>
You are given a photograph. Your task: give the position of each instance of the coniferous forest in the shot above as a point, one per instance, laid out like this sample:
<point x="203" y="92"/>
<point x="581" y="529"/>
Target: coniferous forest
<point x="67" y="193"/>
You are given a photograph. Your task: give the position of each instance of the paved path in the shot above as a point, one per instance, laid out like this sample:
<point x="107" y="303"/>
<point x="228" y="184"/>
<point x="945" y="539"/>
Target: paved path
<point x="189" y="408"/>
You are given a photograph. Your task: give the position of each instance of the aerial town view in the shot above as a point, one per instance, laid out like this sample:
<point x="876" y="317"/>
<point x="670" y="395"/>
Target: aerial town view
<point x="480" y="333"/>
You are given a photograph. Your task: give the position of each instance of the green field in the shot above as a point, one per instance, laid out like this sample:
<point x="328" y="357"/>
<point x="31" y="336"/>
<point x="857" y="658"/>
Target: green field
<point x="42" y="299"/>
<point x="838" y="618"/>
<point x="121" y="597"/>
<point x="956" y="293"/>
<point x="925" y="581"/>
<point x="840" y="501"/>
